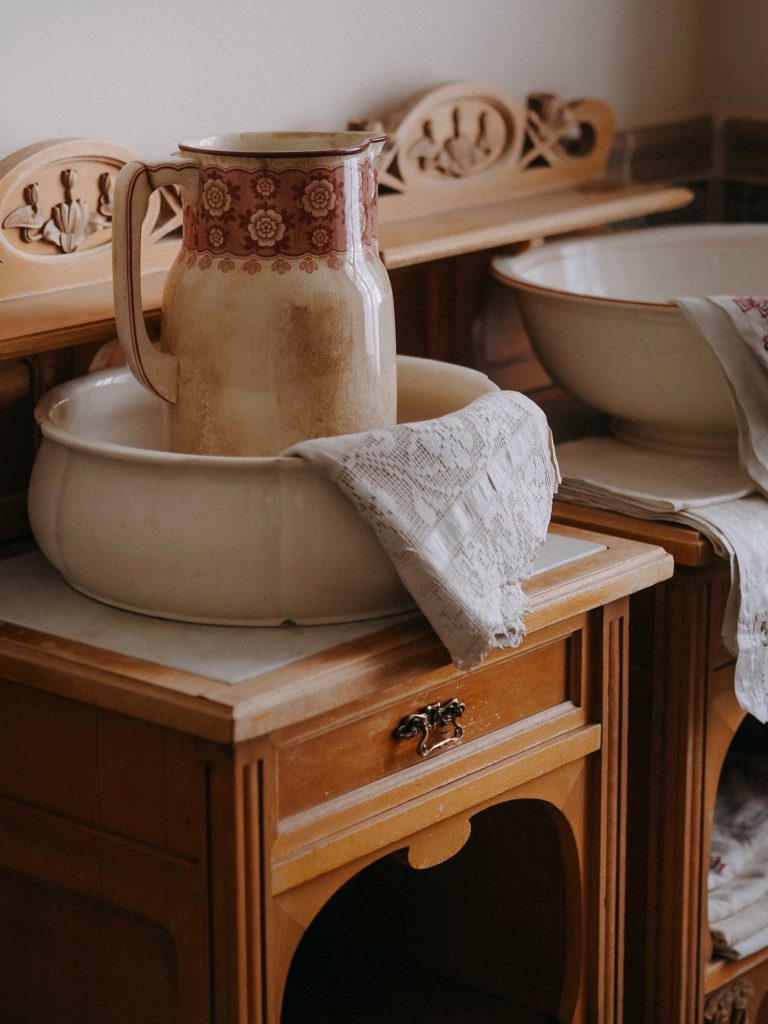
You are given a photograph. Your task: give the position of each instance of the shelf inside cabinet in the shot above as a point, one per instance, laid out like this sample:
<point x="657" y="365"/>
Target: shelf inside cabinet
<point x="721" y="972"/>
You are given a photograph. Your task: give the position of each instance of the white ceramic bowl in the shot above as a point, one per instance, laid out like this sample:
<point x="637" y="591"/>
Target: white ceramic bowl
<point x="245" y="541"/>
<point x="600" y="315"/>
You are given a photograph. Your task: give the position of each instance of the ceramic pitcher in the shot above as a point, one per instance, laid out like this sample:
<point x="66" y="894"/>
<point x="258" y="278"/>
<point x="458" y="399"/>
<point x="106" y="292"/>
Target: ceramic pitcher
<point x="277" y="320"/>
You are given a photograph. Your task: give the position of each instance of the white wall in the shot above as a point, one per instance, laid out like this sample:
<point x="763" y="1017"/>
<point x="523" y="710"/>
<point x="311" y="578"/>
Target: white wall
<point x="147" y="73"/>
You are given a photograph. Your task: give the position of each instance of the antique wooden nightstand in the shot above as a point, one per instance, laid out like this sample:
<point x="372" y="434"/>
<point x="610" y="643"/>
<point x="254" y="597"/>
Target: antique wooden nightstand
<point x="683" y="718"/>
<point x="217" y="824"/>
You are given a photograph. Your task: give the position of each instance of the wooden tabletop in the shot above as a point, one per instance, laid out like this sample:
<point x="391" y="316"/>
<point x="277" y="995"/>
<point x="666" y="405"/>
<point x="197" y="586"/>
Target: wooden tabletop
<point x="212" y="709"/>
<point x="686" y="544"/>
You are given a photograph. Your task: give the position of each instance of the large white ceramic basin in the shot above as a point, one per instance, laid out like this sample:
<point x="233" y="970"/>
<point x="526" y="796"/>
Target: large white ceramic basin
<point x="599" y="312"/>
<point x="252" y="541"/>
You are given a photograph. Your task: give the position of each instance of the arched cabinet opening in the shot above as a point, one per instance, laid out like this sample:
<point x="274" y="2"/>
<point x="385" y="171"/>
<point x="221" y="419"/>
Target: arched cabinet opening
<point x="491" y="934"/>
<point x="738" y="862"/>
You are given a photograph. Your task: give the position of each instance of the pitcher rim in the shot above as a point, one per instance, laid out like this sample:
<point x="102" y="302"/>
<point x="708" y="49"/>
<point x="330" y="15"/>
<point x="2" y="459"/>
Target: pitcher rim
<point x="242" y="144"/>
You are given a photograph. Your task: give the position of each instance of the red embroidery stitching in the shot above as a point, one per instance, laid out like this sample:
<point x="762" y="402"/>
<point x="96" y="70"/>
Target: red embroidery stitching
<point x="748" y="303"/>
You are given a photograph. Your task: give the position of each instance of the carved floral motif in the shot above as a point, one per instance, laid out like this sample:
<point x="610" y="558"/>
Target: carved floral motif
<point x="554" y="125"/>
<point x="464" y="131"/>
<point x="552" y="133"/>
<point x="69" y="223"/>
<point x="730" y="1004"/>
<point x="456" y="155"/>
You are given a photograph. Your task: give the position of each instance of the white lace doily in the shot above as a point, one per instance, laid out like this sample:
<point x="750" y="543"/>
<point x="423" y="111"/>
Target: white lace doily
<point x="461" y="505"/>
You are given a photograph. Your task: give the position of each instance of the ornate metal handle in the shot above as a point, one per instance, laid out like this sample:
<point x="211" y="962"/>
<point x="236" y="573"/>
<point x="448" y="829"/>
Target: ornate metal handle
<point x="433" y="718"/>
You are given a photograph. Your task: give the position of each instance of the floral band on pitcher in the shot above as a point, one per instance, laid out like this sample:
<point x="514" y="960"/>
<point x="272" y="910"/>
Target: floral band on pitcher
<point x="276" y="216"/>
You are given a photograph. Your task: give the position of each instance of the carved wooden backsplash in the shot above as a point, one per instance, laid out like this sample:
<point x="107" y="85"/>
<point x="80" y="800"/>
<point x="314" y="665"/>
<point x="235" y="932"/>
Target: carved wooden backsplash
<point x="67" y="224"/>
<point x="56" y="216"/>
<point x="55" y="237"/>
<point x="463" y="144"/>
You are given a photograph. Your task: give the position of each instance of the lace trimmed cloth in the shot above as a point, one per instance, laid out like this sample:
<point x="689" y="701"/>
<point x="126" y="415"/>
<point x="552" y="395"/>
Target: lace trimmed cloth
<point x="714" y="496"/>
<point x="461" y="505"/>
<point x="726" y="500"/>
<point x="736" y="329"/>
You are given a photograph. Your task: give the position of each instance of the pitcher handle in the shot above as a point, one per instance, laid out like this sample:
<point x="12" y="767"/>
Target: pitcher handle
<point x="156" y="370"/>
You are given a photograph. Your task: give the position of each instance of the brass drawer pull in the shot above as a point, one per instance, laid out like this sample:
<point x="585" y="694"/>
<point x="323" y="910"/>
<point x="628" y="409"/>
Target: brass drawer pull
<point x="431" y="719"/>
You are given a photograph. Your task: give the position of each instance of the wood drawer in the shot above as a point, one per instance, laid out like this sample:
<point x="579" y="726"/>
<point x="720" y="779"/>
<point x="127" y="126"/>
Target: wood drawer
<point x="337" y="757"/>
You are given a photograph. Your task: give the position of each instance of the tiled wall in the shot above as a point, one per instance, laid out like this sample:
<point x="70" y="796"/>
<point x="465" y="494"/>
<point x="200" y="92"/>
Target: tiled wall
<point x="744" y="148"/>
<point x="725" y="164"/>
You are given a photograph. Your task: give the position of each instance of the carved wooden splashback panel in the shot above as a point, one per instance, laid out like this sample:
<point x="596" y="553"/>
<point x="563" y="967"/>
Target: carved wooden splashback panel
<point x="465" y="144"/>
<point x="56" y="216"/>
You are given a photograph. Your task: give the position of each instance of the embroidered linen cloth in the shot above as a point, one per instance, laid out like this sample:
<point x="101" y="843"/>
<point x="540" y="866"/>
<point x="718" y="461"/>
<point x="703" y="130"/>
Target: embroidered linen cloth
<point x="736" y="329"/>
<point x="461" y="505"/>
<point x="713" y="495"/>
<point x="607" y="473"/>
<point x="718" y="497"/>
